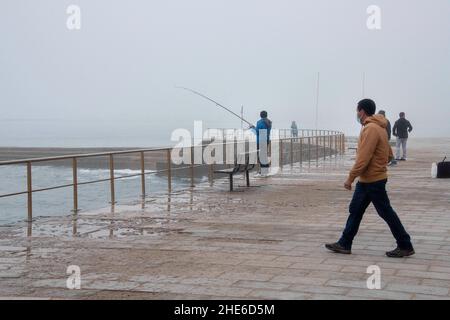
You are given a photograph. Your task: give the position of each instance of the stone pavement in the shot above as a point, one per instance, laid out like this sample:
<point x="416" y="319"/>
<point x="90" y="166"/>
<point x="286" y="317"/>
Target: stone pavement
<point x="265" y="242"/>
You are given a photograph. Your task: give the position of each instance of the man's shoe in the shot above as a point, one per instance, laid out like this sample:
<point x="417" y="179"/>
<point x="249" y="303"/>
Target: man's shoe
<point x="403" y="159"/>
<point x="336" y="247"/>
<point x="400" y="253"/>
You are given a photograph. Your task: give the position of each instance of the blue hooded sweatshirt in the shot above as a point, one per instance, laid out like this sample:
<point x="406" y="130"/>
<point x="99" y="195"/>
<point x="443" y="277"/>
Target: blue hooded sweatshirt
<point x="263" y="124"/>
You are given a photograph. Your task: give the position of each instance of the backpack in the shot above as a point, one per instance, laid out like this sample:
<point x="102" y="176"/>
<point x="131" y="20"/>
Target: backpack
<point x="443" y="169"/>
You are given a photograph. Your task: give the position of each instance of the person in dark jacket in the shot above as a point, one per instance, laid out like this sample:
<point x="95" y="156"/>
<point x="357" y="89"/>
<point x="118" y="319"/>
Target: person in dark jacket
<point x="401" y="130"/>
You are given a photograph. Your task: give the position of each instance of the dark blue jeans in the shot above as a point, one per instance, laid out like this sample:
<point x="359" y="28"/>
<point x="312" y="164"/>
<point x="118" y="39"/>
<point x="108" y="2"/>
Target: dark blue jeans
<point x="375" y="192"/>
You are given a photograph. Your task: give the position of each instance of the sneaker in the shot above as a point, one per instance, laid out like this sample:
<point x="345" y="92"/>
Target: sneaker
<point x="403" y="159"/>
<point x="400" y="253"/>
<point x="260" y="175"/>
<point x="336" y="247"/>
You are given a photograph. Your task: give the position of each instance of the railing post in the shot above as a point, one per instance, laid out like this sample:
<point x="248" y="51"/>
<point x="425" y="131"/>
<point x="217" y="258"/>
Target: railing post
<point x="317" y="151"/>
<point x="301" y="152"/>
<point x="192" y="166"/>
<point x="75" y="184"/>
<point x="111" y="178"/>
<point x="169" y="170"/>
<point x="331" y="145"/>
<point x="211" y="173"/>
<point x="309" y="152"/>
<point x="336" y="145"/>
<point x="292" y="153"/>
<point x="30" y="193"/>
<point x="143" y="175"/>
<point x="281" y="154"/>
<point x="343" y="144"/>
<point x="330" y="151"/>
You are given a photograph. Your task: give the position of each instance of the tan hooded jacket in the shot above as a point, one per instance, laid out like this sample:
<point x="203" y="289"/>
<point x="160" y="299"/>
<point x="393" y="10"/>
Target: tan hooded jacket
<point x="374" y="151"/>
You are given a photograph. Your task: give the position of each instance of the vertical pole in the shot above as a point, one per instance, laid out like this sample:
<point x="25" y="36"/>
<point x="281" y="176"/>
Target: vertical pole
<point x="332" y="144"/>
<point x="75" y="185"/>
<point x="29" y="234"/>
<point x="169" y="171"/>
<point x="143" y="175"/>
<point x="324" y="138"/>
<point x="338" y="144"/>
<point x="343" y="143"/>
<point x="192" y="166"/>
<point x="329" y="145"/>
<point x="211" y="174"/>
<point x="301" y="152"/>
<point x="309" y="151"/>
<point x="335" y="145"/>
<point x="330" y="152"/>
<point x="292" y="152"/>
<point x="281" y="154"/>
<point x="111" y="178"/>
<point x="317" y="99"/>
<point x="30" y="193"/>
<point x="317" y="150"/>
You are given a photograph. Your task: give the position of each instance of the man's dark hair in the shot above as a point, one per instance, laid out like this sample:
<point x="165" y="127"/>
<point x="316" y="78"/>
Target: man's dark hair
<point x="263" y="114"/>
<point x="402" y="114"/>
<point x="368" y="106"/>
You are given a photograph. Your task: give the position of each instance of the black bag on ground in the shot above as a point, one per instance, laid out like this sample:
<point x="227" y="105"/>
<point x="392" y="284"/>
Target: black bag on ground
<point x="443" y="169"/>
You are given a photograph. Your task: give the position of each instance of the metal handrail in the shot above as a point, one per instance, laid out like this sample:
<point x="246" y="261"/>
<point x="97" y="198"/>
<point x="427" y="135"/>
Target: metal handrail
<point x="339" y="147"/>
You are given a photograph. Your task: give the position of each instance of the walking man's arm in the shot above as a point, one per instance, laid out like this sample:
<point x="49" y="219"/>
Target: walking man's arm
<point x="366" y="148"/>
<point x="409" y="127"/>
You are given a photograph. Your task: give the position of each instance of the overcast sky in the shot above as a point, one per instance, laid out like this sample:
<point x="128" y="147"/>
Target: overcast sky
<point x="112" y="82"/>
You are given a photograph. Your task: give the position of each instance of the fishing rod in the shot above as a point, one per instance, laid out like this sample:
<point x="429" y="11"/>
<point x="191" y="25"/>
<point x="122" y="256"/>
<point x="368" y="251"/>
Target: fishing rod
<point x="215" y="102"/>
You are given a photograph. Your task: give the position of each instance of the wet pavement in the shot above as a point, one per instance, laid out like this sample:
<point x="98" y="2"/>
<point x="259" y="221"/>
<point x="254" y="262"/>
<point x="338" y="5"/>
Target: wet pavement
<point x="262" y="242"/>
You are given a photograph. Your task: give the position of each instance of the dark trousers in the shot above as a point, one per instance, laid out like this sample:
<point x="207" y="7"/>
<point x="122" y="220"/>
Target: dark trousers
<point x="375" y="192"/>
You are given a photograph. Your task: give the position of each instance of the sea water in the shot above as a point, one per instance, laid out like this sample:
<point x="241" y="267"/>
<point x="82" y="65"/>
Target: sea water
<point x="59" y="202"/>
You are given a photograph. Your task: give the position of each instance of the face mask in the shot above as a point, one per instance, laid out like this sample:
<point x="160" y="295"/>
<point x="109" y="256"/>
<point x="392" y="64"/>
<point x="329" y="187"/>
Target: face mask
<point x="358" y="119"/>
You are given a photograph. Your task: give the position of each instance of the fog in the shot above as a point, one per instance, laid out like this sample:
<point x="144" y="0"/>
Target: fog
<point x="112" y="83"/>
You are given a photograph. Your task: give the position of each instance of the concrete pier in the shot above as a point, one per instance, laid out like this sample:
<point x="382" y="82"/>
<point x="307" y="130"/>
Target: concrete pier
<point x="262" y="242"/>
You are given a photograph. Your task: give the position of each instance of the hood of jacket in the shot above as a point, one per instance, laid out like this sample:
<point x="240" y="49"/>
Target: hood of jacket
<point x="378" y="119"/>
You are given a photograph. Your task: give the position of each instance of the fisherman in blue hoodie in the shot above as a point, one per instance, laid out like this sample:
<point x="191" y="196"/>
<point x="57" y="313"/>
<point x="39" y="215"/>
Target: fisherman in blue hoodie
<point x="263" y="128"/>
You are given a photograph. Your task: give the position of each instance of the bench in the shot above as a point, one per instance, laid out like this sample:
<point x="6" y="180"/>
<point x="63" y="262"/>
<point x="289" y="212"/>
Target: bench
<point x="241" y="165"/>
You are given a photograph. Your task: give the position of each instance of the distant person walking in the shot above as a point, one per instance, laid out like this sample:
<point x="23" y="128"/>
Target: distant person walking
<point x="370" y="166"/>
<point x="263" y="128"/>
<point x="402" y="128"/>
<point x="294" y="130"/>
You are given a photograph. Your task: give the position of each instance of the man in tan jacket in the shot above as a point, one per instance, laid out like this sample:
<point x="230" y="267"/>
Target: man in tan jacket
<point x="373" y="155"/>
